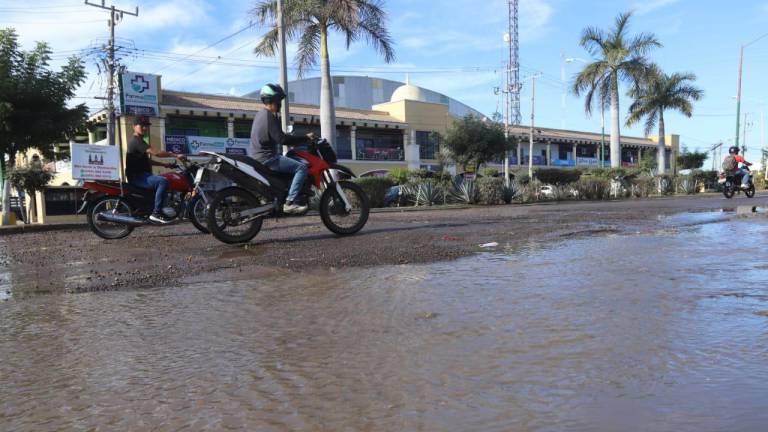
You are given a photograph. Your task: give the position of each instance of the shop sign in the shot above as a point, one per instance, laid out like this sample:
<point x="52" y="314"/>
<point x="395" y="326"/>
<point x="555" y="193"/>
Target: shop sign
<point x="95" y="162"/>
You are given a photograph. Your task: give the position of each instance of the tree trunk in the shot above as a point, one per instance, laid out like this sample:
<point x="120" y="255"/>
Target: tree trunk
<point x="615" y="127"/>
<point x="327" y="108"/>
<point x="661" y="148"/>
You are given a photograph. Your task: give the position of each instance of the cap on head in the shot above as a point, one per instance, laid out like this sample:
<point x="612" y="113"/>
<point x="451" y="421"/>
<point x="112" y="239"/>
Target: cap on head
<point x="272" y="93"/>
<point x="141" y="120"/>
<point x="733" y="150"/>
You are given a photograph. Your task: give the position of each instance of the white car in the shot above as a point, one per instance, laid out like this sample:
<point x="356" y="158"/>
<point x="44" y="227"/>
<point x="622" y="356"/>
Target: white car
<point x="549" y="191"/>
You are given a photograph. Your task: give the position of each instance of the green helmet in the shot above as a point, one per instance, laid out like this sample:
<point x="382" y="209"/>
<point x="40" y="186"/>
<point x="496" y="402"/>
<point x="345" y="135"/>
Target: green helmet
<point x="272" y="93"/>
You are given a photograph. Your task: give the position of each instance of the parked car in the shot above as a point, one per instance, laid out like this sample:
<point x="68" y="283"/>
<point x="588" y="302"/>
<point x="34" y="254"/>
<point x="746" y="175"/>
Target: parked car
<point x="550" y="192"/>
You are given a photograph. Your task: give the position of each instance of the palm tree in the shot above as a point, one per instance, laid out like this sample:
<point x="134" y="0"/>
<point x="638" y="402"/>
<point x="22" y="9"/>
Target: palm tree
<point x="658" y="93"/>
<point x="617" y="58"/>
<point x="309" y="23"/>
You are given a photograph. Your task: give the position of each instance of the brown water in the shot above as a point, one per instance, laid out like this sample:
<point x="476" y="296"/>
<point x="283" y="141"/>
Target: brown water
<point x="632" y="333"/>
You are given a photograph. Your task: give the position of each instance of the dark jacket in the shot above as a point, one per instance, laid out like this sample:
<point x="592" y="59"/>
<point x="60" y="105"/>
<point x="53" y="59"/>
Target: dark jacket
<point x="267" y="136"/>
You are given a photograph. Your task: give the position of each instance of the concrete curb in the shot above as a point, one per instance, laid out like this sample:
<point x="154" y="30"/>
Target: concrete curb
<point x="21" y="229"/>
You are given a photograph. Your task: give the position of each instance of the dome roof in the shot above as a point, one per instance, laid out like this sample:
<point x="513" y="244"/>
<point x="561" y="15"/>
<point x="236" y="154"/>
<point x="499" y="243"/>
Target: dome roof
<point x="409" y="92"/>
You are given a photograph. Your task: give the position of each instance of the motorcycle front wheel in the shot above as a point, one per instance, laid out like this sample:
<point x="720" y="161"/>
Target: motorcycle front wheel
<point x="224" y="220"/>
<point x="750" y="193"/>
<point x="197" y="209"/>
<point x="334" y="213"/>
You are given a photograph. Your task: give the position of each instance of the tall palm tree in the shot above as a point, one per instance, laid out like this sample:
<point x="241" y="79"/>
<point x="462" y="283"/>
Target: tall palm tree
<point x="660" y="92"/>
<point x="309" y="23"/>
<point x="618" y="57"/>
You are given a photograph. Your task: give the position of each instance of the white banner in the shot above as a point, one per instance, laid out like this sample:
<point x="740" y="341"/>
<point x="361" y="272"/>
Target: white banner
<point x="139" y="94"/>
<point x="95" y="162"/>
<point x="241" y="146"/>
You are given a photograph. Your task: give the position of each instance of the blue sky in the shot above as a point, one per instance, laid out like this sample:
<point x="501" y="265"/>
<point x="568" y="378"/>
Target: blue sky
<point x="458" y="42"/>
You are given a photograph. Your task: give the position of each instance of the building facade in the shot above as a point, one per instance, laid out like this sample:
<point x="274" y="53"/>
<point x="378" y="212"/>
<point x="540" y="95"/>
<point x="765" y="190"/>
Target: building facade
<point x="395" y="133"/>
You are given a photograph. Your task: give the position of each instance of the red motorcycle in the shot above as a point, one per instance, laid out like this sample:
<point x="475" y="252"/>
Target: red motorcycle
<point x="114" y="213"/>
<point x="236" y="213"/>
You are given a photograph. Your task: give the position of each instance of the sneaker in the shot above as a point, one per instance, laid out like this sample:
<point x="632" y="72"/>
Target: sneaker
<point x="745" y="187"/>
<point x="158" y="218"/>
<point x="291" y="208"/>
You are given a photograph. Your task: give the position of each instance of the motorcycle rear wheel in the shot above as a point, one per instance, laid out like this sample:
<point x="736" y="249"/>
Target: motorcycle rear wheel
<point x="226" y="202"/>
<point x="728" y="191"/>
<point x="334" y="214"/>
<point x="196" y="209"/>
<point x="109" y="230"/>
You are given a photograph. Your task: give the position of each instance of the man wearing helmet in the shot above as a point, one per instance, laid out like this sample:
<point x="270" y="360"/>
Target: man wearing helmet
<point x="731" y="166"/>
<point x="267" y="139"/>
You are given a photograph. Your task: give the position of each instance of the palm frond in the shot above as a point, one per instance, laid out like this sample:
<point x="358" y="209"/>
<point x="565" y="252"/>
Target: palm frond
<point x="309" y="47"/>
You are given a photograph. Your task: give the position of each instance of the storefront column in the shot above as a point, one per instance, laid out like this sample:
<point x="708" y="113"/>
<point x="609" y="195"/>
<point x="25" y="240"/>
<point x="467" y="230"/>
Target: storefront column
<point x="161" y="128"/>
<point x="230" y="128"/>
<point x="353" y="141"/>
<point x="575" y="148"/>
<point x="639" y="155"/>
<point x="549" y="153"/>
<point x="411" y="150"/>
<point x="520" y="152"/>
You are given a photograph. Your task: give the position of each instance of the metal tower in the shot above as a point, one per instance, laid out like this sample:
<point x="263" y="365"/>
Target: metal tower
<point x="513" y="70"/>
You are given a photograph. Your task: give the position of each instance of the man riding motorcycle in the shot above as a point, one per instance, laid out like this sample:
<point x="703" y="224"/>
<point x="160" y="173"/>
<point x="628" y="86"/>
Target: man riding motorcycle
<point x="138" y="166"/>
<point x="267" y="139"/>
<point x="731" y="166"/>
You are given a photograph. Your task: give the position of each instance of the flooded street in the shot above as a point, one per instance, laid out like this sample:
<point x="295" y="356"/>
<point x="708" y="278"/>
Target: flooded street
<point x="664" y="330"/>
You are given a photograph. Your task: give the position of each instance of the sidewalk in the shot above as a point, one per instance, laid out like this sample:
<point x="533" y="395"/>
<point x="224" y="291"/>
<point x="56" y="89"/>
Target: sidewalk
<point x="30" y="228"/>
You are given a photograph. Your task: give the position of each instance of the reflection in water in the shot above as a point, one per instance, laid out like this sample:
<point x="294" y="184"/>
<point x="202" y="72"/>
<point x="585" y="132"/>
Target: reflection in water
<point x="618" y="333"/>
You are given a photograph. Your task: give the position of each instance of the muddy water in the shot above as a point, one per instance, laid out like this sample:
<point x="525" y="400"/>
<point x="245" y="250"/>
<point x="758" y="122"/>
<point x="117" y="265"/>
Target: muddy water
<point x="654" y="332"/>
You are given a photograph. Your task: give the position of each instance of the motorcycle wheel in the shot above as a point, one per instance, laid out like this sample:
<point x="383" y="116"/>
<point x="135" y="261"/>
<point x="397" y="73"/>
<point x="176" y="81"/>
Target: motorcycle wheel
<point x="334" y="214"/>
<point x="104" y="229"/>
<point x="220" y="212"/>
<point x="728" y="190"/>
<point x="750" y="193"/>
<point x="197" y="213"/>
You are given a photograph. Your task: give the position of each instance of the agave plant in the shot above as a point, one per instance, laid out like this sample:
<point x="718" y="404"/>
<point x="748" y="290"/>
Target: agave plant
<point x="428" y="193"/>
<point x="464" y="192"/>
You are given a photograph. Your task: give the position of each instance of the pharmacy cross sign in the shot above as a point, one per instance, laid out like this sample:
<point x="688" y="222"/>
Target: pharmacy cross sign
<point x="139" y="84"/>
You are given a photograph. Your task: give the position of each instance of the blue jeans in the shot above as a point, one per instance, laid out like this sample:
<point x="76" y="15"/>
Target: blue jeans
<point x="289" y="166"/>
<point x="149" y="181"/>
<point x="745" y="179"/>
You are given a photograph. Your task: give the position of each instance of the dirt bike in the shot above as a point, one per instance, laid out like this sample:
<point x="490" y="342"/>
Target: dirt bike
<point x="236" y="213"/>
<point x="114" y="215"/>
<point x="731" y="185"/>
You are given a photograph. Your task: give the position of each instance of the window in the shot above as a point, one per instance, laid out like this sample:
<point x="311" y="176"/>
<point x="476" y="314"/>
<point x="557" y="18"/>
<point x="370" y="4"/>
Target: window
<point x="193" y="126"/>
<point x="243" y="128"/>
<point x="428" y="146"/>
<point x="377" y="144"/>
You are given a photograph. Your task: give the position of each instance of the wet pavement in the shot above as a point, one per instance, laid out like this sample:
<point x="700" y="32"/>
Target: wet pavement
<point x="660" y="324"/>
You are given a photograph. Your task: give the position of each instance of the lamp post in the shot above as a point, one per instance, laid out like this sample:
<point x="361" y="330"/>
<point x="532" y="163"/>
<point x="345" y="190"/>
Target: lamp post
<point x="738" y="83"/>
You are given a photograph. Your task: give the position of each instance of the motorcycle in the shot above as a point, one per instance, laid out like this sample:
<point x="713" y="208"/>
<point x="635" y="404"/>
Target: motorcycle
<point x="113" y="214"/>
<point x="236" y="213"/>
<point x="731" y="185"/>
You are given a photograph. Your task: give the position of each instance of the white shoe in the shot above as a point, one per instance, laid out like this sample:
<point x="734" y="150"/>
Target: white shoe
<point x="294" y="209"/>
<point x="745" y="187"/>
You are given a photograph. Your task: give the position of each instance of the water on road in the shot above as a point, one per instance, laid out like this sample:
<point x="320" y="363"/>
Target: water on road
<point x="653" y="332"/>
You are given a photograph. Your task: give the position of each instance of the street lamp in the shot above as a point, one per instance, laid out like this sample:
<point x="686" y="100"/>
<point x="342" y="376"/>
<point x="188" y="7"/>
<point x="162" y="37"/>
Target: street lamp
<point x="738" y="84"/>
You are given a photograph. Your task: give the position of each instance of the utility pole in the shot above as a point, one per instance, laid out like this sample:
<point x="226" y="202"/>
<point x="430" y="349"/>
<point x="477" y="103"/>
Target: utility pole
<point x="283" y="66"/>
<point x="512" y="81"/>
<point x="738" y="83"/>
<point x="114" y="15"/>
<point x="530" y="134"/>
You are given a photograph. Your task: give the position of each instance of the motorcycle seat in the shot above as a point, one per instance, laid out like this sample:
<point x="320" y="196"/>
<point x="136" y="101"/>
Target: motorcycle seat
<point x="262" y="169"/>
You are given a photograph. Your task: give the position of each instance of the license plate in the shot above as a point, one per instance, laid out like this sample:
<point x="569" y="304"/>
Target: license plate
<point x="199" y="175"/>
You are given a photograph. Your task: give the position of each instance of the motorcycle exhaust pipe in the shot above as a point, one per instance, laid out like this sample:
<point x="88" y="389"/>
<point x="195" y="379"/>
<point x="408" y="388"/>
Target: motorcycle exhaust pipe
<point x="121" y="219"/>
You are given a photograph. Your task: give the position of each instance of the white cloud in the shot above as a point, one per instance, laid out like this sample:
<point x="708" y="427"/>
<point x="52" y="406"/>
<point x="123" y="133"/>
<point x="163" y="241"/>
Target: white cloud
<point x="651" y="5"/>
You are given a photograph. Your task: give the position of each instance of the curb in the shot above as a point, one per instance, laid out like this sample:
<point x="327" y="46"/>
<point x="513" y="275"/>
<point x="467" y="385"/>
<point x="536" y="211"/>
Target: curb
<point x="21" y="229"/>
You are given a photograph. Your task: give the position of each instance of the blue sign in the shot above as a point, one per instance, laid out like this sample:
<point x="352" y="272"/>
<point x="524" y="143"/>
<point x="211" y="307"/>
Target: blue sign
<point x="237" y="151"/>
<point x="176" y="144"/>
<point x="564" y="162"/>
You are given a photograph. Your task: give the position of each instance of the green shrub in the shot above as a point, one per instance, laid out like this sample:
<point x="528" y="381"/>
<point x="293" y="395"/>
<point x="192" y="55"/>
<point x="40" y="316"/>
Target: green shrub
<point x="428" y="193"/>
<point x="490" y="190"/>
<point x="376" y="188"/>
<point x="593" y="188"/>
<point x="522" y="177"/>
<point x="490" y="172"/>
<point x="686" y="185"/>
<point x="665" y="184"/>
<point x="399" y="175"/>
<point x="555" y="176"/>
<point x="464" y="192"/>
<point x="509" y="193"/>
<point x="642" y="187"/>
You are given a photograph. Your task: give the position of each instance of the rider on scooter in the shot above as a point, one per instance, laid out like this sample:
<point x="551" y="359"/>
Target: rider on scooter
<point x="734" y="159"/>
<point x="138" y="166"/>
<point x="267" y="139"/>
